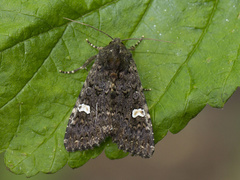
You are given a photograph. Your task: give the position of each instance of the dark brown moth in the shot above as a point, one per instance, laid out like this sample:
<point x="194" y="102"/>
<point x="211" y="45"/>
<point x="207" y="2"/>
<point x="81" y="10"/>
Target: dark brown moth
<point x="111" y="103"/>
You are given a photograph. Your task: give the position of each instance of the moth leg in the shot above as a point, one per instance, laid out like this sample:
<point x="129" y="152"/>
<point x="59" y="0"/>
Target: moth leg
<point x="93" y="45"/>
<point x="88" y="61"/>
<point x="135" y="45"/>
<point x="145" y="89"/>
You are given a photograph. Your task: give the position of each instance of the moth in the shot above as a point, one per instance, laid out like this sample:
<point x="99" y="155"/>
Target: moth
<point x="111" y="103"/>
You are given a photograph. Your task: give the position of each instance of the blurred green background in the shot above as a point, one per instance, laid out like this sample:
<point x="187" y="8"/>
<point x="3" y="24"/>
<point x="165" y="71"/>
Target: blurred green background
<point x="208" y="148"/>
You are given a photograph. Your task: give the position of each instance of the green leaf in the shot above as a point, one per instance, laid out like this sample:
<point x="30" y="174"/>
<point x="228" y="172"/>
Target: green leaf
<point x="200" y="67"/>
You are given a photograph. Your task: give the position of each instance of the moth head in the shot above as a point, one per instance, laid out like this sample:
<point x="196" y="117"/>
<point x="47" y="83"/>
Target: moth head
<point x="117" y="48"/>
<point x="115" y="56"/>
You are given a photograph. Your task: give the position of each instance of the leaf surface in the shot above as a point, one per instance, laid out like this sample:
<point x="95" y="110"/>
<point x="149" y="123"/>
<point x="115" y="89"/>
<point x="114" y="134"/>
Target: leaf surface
<point x="201" y="66"/>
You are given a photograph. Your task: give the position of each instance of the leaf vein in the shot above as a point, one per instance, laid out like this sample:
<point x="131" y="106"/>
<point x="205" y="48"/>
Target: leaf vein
<point x="190" y="54"/>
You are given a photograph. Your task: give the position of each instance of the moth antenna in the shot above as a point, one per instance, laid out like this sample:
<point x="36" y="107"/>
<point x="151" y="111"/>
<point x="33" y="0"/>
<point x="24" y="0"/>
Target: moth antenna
<point x="88" y="26"/>
<point x="143" y="38"/>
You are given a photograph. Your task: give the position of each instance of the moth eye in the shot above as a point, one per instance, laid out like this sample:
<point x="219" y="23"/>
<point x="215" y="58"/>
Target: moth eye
<point x="121" y="50"/>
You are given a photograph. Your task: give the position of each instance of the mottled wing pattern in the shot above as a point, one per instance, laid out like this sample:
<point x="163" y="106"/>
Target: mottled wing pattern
<point x="111" y="103"/>
<point x="90" y="121"/>
<point x="132" y="127"/>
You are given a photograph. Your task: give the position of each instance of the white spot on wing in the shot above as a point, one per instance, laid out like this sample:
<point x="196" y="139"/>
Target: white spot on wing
<point x="138" y="112"/>
<point x="85" y="108"/>
<point x="74" y="110"/>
